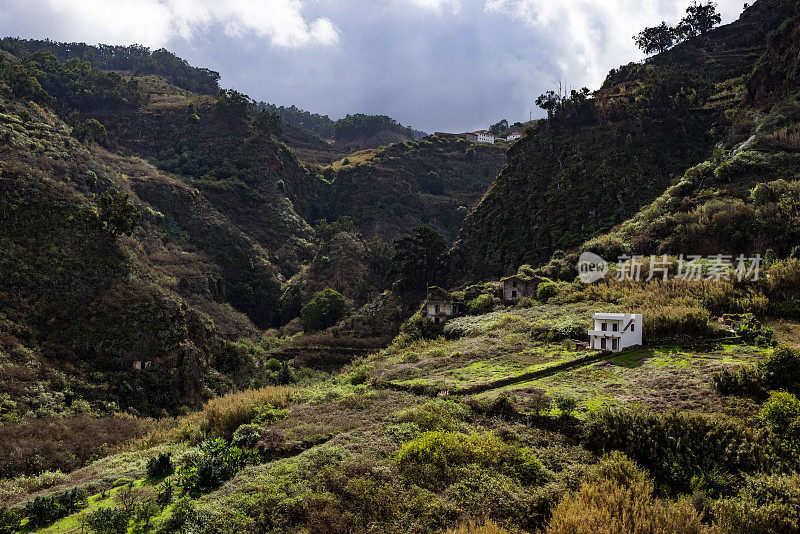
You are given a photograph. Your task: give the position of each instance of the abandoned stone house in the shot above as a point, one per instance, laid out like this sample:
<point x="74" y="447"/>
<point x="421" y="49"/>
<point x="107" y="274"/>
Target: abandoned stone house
<point x="440" y="305"/>
<point x="518" y="286"/>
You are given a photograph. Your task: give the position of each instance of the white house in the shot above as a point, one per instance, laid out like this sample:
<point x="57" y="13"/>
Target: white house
<point x="480" y="136"/>
<point x="615" y="331"/>
<point x="513" y="136"/>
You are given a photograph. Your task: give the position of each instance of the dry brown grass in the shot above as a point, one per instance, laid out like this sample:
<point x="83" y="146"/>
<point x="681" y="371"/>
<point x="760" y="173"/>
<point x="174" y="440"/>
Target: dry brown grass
<point x="225" y="414"/>
<point x="618" y="499"/>
<point x="219" y="417"/>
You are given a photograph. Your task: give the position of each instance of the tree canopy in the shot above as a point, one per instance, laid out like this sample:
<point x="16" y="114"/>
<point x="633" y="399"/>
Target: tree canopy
<point x="700" y="19"/>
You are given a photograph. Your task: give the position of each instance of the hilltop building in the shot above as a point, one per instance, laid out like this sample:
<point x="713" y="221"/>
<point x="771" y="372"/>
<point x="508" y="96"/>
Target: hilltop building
<point x="513" y="136"/>
<point x="478" y="136"/>
<point x="615" y="331"/>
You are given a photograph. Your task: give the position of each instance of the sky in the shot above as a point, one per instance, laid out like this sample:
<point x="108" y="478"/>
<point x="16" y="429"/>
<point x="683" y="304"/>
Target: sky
<point x="436" y="65"/>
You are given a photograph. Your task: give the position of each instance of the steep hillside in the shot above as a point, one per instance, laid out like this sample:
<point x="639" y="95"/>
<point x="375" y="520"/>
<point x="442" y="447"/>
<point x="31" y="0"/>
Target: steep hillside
<point x="94" y="281"/>
<point x="388" y="191"/>
<point x="600" y="158"/>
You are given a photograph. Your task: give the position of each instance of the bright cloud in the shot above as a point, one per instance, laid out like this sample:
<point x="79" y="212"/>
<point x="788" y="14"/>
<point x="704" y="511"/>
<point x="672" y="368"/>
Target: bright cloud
<point x="154" y="23"/>
<point x="591" y="35"/>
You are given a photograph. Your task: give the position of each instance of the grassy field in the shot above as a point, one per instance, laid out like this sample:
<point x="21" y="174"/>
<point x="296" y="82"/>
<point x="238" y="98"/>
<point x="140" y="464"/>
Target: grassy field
<point x="663" y="377"/>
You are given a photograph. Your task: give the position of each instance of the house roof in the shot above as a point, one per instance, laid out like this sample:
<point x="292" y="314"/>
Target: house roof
<point x="615" y="316"/>
<point x="437" y="294"/>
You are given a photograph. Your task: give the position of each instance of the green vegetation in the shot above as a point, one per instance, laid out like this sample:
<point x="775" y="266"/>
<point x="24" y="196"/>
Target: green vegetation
<point x="325" y="309"/>
<point x="161" y="290"/>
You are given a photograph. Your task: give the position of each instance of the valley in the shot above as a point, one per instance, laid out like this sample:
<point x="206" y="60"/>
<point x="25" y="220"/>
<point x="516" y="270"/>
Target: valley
<point x="222" y="315"/>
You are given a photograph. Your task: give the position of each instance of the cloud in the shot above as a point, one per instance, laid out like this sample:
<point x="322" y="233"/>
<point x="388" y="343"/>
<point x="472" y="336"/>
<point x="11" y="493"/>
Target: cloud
<point x="446" y="65"/>
<point x="155" y="23"/>
<point x="454" y="6"/>
<point x="592" y="36"/>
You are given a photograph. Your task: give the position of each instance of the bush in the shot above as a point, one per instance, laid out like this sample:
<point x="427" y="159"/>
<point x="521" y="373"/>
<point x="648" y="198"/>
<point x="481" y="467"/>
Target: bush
<point x="434" y="458"/>
<point x="108" y="521"/>
<point x="216" y="463"/>
<point x="782" y="369"/>
<point x="780" y="410"/>
<point x="546" y="290"/>
<point x="225" y="414"/>
<point x="62" y="443"/>
<point x="480" y="305"/>
<point x="325" y="309"/>
<point x="675" y="446"/>
<point x="9" y="520"/>
<point x="566" y="405"/>
<point x="90" y="131"/>
<point x="43" y="510"/>
<point x="618" y="497"/>
<point x="160" y="466"/>
<point x="764" y="504"/>
<point x="117" y="214"/>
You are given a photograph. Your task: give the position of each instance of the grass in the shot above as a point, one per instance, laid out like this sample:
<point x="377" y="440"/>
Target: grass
<point x="663" y="377"/>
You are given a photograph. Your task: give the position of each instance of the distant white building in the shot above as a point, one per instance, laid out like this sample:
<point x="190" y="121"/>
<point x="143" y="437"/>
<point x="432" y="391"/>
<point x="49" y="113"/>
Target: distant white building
<point x="615" y="331"/>
<point x="513" y="136"/>
<point x="479" y="136"/>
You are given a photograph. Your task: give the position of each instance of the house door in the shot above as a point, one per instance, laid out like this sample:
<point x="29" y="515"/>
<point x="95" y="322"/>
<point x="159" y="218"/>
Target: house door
<point x="603" y="343"/>
<point x="615" y="344"/>
<point x="513" y="294"/>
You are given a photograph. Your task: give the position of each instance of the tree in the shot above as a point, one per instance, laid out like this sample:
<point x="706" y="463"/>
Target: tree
<point x="496" y="129"/>
<point x="117" y="214"/>
<point x="699" y="20"/>
<point x="91" y="131"/>
<point x="417" y="257"/>
<point x="656" y="39"/>
<point x="268" y="123"/>
<point x="324" y="310"/>
<point x="549" y="102"/>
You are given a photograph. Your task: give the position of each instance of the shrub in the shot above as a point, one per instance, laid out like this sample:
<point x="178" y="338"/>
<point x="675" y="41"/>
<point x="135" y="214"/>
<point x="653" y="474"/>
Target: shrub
<point x="443" y="414"/>
<point x="90" y="131"/>
<point x="675" y="446"/>
<point x="9" y="520"/>
<point x="216" y="463"/>
<point x="747" y="380"/>
<point x="539" y="403"/>
<point x="247" y="436"/>
<point x="160" y="466"/>
<point x="480" y="305"/>
<point x="782" y="369"/>
<point x="780" y="410"/>
<point x="618" y="497"/>
<point x="434" y="457"/>
<point x="117" y="214"/>
<point x="62" y="443"/>
<point x="566" y="405"/>
<point x="43" y="510"/>
<point x="546" y="290"/>
<point x="763" y="504"/>
<point x="266" y="414"/>
<point x="325" y="309"/>
<point x="225" y="414"/>
<point x="108" y="521"/>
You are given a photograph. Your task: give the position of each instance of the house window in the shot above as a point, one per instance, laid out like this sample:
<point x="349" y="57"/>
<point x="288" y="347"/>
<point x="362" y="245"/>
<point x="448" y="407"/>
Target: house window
<point x="436" y="307"/>
<point x="603" y="343"/>
<point x="603" y="327"/>
<point x="614" y="327"/>
<point x="633" y="327"/>
<point x="513" y="294"/>
<point x="514" y="283"/>
<point x="615" y="344"/>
